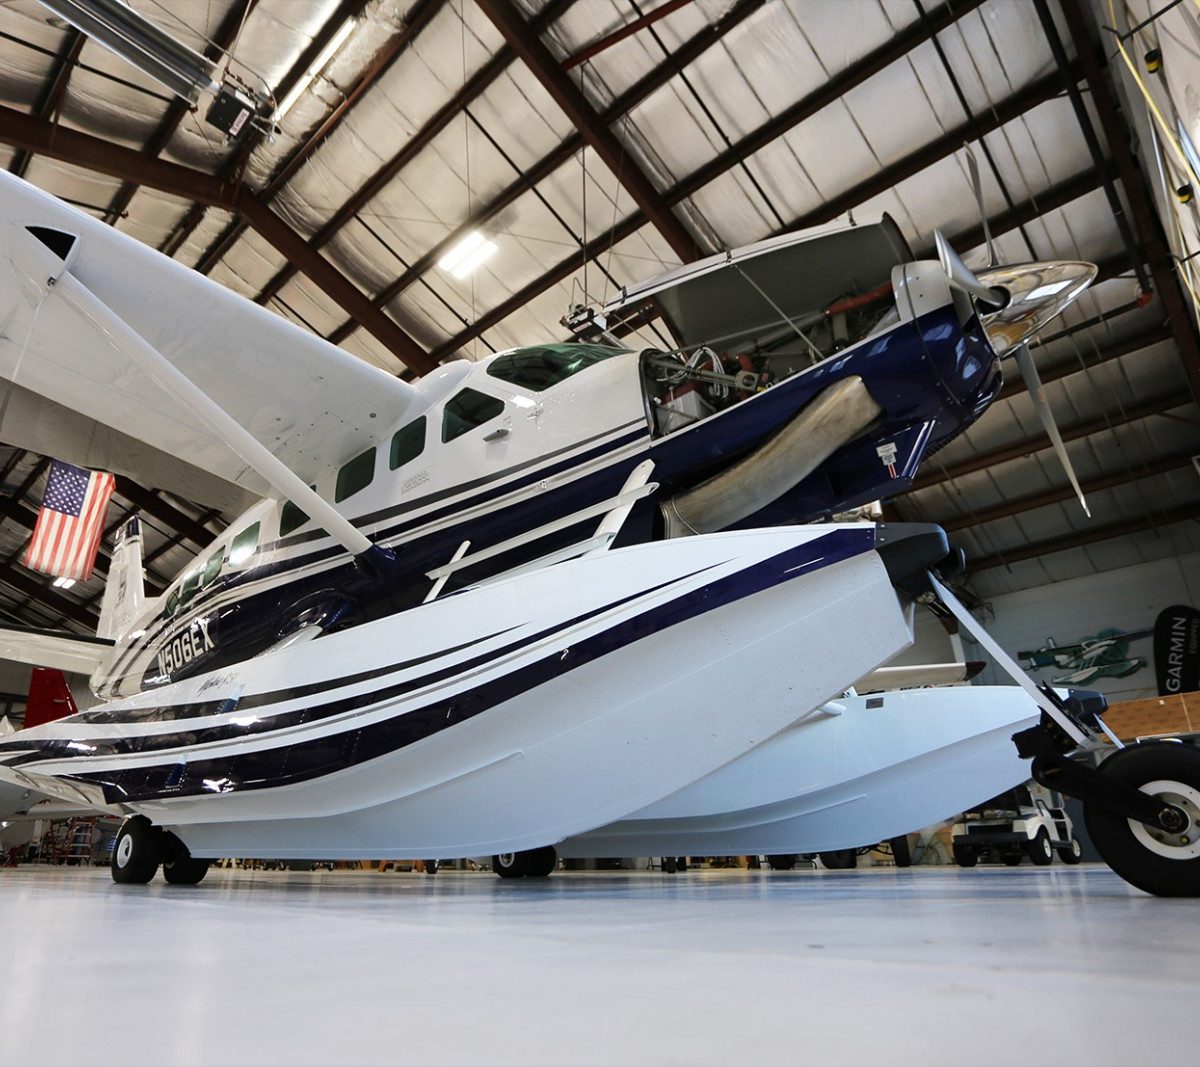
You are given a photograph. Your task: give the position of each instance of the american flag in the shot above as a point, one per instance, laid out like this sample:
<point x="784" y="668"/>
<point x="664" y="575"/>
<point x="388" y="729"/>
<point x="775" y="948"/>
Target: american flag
<point x="68" y="529"/>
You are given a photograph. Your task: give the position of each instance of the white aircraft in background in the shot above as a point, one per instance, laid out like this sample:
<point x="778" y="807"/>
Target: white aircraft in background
<point x="521" y="599"/>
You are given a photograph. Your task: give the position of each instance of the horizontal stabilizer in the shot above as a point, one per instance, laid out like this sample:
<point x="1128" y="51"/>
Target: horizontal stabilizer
<point x="919" y="674"/>
<point x="53" y="648"/>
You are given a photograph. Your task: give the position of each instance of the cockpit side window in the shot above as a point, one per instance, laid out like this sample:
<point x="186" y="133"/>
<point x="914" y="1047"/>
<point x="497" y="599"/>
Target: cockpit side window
<point x="212" y="568"/>
<point x="539" y="367"/>
<point x="408" y="443"/>
<point x="466" y="410"/>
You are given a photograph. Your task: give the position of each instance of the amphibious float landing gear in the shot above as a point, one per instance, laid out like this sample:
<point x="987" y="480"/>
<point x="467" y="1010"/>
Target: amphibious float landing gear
<point x="1141" y="807"/>
<point x="535" y="863"/>
<point x="141" y="847"/>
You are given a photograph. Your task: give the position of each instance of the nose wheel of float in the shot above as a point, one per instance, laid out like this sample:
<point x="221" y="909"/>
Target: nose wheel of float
<point x="1141" y="805"/>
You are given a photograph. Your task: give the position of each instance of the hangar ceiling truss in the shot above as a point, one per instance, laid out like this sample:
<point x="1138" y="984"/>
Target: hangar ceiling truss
<point x="256" y="198"/>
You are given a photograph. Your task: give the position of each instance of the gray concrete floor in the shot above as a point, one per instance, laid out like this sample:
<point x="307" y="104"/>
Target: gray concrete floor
<point x="926" y="966"/>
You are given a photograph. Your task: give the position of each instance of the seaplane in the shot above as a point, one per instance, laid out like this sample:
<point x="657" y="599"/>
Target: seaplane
<point x="522" y="598"/>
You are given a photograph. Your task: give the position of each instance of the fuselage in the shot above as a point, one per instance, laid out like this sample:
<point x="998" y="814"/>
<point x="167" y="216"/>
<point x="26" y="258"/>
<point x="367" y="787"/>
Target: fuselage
<point x="491" y="457"/>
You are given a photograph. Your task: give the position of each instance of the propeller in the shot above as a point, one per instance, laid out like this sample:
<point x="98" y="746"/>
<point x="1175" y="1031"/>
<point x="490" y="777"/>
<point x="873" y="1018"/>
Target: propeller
<point x="977" y="185"/>
<point x="990" y="297"/>
<point x="1013" y="303"/>
<point x="1033" y="383"/>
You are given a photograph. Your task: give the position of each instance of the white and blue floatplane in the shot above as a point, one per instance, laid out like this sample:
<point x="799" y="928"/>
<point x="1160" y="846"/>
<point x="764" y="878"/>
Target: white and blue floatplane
<point x="523" y="598"/>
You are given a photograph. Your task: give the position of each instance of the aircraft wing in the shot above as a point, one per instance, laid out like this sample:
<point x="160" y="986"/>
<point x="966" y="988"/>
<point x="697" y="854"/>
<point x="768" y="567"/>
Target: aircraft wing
<point x="311" y="403"/>
<point x="910" y="677"/>
<point x="52" y="648"/>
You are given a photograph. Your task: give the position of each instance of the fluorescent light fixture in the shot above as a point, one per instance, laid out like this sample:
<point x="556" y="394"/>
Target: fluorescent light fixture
<point x="137" y="40"/>
<point x="63" y="583"/>
<point x="468" y="254"/>
<point x="318" y="65"/>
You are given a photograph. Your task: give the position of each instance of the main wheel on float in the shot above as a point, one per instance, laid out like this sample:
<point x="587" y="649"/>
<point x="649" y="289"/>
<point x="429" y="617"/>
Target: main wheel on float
<point x="137" y="851"/>
<point x="1165" y="862"/>
<point x="178" y="865"/>
<point x="511" y="864"/>
<point x="542" y="862"/>
<point x="842" y="859"/>
<point x="786" y="862"/>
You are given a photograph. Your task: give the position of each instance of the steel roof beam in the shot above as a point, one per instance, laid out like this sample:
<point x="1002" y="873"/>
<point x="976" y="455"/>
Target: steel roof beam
<point x="153" y="504"/>
<point x="419" y="17"/>
<point x="1006" y="111"/>
<point x="1067" y="367"/>
<point x="1021" y="449"/>
<point x="179" y="108"/>
<point x="54" y="92"/>
<point x="694" y="47"/>
<point x="1144" y="216"/>
<point x="46" y="596"/>
<point x="1087" y="537"/>
<point x="373" y="186"/>
<point x="234" y="165"/>
<point x="600" y="138"/>
<point x="1067" y="493"/>
<point x="96" y="154"/>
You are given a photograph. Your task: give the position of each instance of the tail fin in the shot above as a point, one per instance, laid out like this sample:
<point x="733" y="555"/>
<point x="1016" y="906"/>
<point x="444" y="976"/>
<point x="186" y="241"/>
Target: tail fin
<point x="124" y="593"/>
<point x="49" y="697"/>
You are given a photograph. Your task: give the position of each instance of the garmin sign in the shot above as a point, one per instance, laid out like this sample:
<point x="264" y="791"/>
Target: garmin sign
<point x="1177" y="650"/>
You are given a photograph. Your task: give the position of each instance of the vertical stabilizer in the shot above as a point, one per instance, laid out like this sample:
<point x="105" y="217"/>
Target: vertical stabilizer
<point x="124" y="593"/>
<point x="49" y="697"/>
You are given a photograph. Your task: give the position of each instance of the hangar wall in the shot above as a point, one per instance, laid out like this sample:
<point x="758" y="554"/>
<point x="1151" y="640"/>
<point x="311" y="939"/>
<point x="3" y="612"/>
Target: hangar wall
<point x="1127" y="599"/>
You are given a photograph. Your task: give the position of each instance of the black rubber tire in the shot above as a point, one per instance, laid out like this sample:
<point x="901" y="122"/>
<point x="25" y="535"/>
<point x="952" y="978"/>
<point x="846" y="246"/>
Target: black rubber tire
<point x="1136" y="766"/>
<point x="965" y="857"/>
<point x="511" y="864"/>
<point x="1072" y="852"/>
<point x="137" y="851"/>
<point x="842" y="859"/>
<point x="542" y="862"/>
<point x="431" y="866"/>
<point x="1011" y="859"/>
<point x="186" y="871"/>
<point x="785" y="862"/>
<point x="901" y="853"/>
<point x="1039" y="850"/>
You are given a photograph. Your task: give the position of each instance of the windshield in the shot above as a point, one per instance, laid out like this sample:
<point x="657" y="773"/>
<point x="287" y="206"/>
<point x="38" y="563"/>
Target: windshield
<point x="541" y="366"/>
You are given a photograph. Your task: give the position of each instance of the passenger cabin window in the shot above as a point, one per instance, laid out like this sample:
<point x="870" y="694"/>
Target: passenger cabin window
<point x="191" y="585"/>
<point x="355" y="476"/>
<point x="408" y="443"/>
<point x="467" y="410"/>
<point x="243" y="545"/>
<point x="211" y="568"/>
<point x="542" y="366"/>
<point x="291" y="518"/>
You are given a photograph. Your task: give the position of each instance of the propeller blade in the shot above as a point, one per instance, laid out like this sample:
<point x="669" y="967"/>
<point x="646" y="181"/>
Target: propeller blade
<point x="977" y="185"/>
<point x="961" y="277"/>
<point x="1034" y="384"/>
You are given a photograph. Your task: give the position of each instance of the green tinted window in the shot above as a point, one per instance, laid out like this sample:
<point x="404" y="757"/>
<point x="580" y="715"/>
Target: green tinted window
<point x="172" y="604"/>
<point x="355" y="476"/>
<point x="542" y="366"/>
<point x="191" y="583"/>
<point x="242" y="547"/>
<point x="466" y="411"/>
<point x="211" y="568"/>
<point x="408" y="443"/>
<point x="292" y="518"/>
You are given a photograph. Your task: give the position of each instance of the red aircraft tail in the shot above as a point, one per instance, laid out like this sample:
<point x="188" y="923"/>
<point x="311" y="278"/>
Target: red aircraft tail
<point x="49" y="697"/>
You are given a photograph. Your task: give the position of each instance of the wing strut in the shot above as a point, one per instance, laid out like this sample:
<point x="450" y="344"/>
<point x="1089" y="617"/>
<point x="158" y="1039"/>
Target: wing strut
<point x="252" y="451"/>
